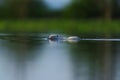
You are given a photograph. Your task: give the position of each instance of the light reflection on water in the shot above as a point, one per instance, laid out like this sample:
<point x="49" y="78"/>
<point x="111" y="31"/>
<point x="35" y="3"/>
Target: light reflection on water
<point x="25" y="58"/>
<point x="7" y="65"/>
<point x="52" y="63"/>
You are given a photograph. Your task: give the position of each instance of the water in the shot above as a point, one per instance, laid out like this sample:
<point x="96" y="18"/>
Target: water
<point x="30" y="57"/>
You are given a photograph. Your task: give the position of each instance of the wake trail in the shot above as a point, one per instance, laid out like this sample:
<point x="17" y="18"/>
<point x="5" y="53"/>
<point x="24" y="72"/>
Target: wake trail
<point x="91" y="39"/>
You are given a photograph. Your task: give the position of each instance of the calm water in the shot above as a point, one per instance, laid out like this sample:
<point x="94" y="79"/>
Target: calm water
<point x="24" y="57"/>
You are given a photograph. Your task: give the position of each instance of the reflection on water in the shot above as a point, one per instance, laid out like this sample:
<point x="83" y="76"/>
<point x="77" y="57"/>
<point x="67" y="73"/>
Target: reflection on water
<point x="24" y="57"/>
<point x="52" y="63"/>
<point x="7" y="64"/>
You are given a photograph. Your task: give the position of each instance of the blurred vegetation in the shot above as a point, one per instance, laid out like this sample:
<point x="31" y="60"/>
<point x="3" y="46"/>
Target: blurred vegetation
<point x="80" y="15"/>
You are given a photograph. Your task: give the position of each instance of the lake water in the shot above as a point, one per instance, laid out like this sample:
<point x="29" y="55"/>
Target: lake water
<point x="29" y="57"/>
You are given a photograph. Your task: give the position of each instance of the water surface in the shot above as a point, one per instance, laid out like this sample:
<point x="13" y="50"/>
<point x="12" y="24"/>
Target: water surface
<point x="30" y="57"/>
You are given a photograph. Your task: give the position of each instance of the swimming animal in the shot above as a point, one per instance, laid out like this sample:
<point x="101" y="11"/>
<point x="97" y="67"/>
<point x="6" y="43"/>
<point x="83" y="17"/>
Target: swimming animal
<point x="54" y="37"/>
